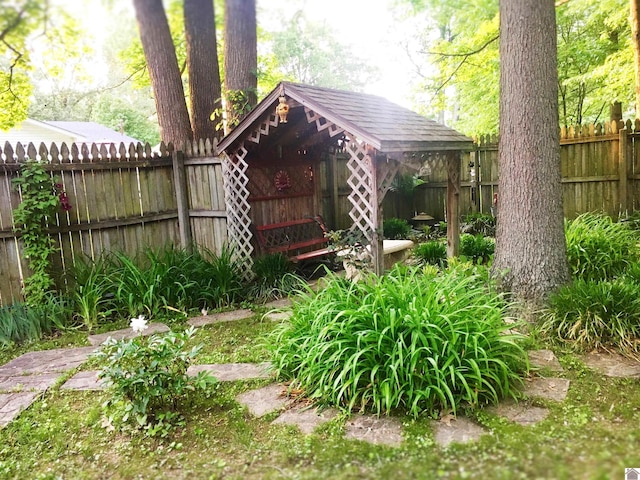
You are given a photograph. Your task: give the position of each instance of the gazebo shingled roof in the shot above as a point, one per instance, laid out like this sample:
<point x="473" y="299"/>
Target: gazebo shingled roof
<point x="379" y="135"/>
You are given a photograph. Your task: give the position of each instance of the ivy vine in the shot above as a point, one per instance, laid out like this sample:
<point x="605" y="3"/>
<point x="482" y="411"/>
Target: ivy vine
<point x="31" y="216"/>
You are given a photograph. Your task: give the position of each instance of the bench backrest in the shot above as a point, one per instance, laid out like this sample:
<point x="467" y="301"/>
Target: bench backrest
<point x="292" y="236"/>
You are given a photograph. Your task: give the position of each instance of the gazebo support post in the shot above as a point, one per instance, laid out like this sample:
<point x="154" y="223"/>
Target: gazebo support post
<point x="377" y="247"/>
<point x="453" y="203"/>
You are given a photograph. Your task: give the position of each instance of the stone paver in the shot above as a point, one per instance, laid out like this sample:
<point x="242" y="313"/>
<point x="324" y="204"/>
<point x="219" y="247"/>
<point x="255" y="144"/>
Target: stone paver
<point x="58" y="360"/>
<point x="550" y="388"/>
<point x="280" y="303"/>
<point x="229" y="372"/>
<point x="264" y="400"/>
<point x="277" y="316"/>
<point x="231" y="316"/>
<point x="11" y="404"/>
<point x="87" y="380"/>
<point x="458" y="430"/>
<point x="376" y="430"/>
<point x="127" y="333"/>
<point x="612" y="365"/>
<point x="306" y="419"/>
<point x="521" y="413"/>
<point x="37" y="382"/>
<point x="544" y="359"/>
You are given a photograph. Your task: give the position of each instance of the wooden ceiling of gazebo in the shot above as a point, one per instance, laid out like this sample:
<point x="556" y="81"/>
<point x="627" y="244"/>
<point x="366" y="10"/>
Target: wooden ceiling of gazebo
<point x="377" y="134"/>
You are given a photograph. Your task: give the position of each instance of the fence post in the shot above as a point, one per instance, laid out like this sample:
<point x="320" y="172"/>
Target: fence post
<point x="623" y="185"/>
<point x="180" y="182"/>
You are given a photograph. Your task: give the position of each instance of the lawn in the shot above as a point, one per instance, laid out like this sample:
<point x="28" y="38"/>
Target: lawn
<point x="594" y="432"/>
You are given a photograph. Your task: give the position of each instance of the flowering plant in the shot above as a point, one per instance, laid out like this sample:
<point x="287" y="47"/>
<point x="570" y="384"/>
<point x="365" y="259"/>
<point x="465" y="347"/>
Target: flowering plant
<point x="148" y="378"/>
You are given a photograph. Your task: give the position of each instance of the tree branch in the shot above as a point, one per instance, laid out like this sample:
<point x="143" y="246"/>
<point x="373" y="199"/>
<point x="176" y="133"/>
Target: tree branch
<point x="465" y="54"/>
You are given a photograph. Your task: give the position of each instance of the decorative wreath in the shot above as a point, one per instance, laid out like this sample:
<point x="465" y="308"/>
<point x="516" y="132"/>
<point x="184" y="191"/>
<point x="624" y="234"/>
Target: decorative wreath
<point x="282" y="181"/>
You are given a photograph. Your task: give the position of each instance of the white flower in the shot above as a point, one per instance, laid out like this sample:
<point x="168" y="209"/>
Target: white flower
<point x="138" y="324"/>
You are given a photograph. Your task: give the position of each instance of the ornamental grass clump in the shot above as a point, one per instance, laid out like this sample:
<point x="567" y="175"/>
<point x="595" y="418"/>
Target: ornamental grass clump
<point x="599" y="248"/>
<point x="414" y="341"/>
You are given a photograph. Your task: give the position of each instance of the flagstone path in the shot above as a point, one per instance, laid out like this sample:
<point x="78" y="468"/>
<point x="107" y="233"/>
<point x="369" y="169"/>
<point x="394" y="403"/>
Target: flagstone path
<point x="24" y="379"/>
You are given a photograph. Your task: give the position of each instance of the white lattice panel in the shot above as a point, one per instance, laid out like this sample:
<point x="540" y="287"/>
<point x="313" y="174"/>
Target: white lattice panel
<point x="236" y="196"/>
<point x="361" y="182"/>
<point x="263" y="128"/>
<point x="322" y="123"/>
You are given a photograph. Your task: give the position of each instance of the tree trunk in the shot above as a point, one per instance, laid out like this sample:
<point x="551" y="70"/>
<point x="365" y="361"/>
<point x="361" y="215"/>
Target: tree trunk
<point x="202" y="64"/>
<point x="634" y="20"/>
<point x="161" y="59"/>
<point x="530" y="255"/>
<point x="240" y="59"/>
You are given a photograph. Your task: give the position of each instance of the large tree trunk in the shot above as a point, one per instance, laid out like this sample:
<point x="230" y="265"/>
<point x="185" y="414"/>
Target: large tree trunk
<point x="161" y="59"/>
<point x="240" y="59"/>
<point x="530" y="255"/>
<point x="202" y="63"/>
<point x="634" y="21"/>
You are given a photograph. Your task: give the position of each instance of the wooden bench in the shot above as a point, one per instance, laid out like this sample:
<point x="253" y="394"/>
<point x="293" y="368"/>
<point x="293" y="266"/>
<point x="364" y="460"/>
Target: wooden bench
<point x="299" y="239"/>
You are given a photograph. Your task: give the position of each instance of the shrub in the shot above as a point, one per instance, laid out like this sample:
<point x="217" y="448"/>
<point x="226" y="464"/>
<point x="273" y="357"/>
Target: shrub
<point x="479" y="224"/>
<point x="433" y="253"/>
<point x="395" y="228"/>
<point x="275" y="277"/>
<point x="405" y="340"/>
<point x="593" y="314"/>
<point x="599" y="248"/>
<point x="147" y="378"/>
<point x="477" y="248"/>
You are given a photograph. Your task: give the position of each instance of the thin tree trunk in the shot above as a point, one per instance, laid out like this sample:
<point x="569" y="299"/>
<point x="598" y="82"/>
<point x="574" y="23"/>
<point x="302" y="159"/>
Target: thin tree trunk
<point x="240" y="58"/>
<point x="202" y="64"/>
<point x="160" y="55"/>
<point x="634" y="20"/>
<point x="530" y="255"/>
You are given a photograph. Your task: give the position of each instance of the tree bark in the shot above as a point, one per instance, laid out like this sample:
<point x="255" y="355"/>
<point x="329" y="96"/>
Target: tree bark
<point x="202" y="64"/>
<point x="634" y="21"/>
<point x="530" y="258"/>
<point x="166" y="81"/>
<point x="240" y="58"/>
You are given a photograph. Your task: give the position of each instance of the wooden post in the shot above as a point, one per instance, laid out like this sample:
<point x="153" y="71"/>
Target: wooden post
<point x="377" y="249"/>
<point x="453" y="203"/>
<point x="332" y="184"/>
<point x="623" y="183"/>
<point x="180" y="182"/>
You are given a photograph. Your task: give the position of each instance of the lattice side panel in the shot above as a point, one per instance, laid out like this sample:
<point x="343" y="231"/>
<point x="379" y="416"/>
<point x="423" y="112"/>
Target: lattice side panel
<point x="386" y="171"/>
<point x="361" y="196"/>
<point x="236" y="195"/>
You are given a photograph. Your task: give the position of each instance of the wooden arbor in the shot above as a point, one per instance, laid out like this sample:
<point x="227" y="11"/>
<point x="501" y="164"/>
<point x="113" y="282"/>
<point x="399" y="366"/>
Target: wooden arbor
<point x="378" y="135"/>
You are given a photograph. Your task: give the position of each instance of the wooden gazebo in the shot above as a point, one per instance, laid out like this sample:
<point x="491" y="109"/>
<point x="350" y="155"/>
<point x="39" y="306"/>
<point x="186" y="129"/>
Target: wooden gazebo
<point x="378" y="135"/>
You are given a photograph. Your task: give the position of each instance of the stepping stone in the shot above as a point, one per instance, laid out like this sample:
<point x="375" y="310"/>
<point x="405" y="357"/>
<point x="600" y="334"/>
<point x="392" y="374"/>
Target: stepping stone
<point x="229" y="372"/>
<point x="544" y="359"/>
<point x="520" y="412"/>
<point x="11" y="404"/>
<point x="550" y="388"/>
<point x="127" y="333"/>
<point x="87" y="380"/>
<point x="306" y="419"/>
<point x="376" y="430"/>
<point x="280" y="303"/>
<point x="264" y="400"/>
<point x="458" y="430"/>
<point x="37" y="382"/>
<point x="612" y="365"/>
<point x="46" y="361"/>
<point x="230" y="316"/>
<point x="277" y="316"/>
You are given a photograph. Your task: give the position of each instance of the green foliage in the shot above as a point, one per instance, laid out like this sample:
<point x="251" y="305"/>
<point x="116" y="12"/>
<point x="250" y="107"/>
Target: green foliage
<point x="479" y="224"/>
<point x="592" y="314"/>
<point x="477" y="248"/>
<point x="395" y="228"/>
<point x="148" y="381"/>
<point x="432" y="253"/>
<point x="21" y="322"/>
<point x="599" y="248"/>
<point x="410" y="341"/>
<point x="405" y="184"/>
<point x="31" y="217"/>
<point x="275" y="277"/>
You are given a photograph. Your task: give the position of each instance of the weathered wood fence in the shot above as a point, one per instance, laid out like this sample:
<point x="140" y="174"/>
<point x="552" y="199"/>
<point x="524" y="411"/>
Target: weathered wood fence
<point x="122" y="198"/>
<point x="600" y="172"/>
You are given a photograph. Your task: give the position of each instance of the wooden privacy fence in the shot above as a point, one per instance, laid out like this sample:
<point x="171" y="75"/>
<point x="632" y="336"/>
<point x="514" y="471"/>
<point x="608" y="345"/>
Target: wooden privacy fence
<point x="600" y="172"/>
<point x="122" y="198"/>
